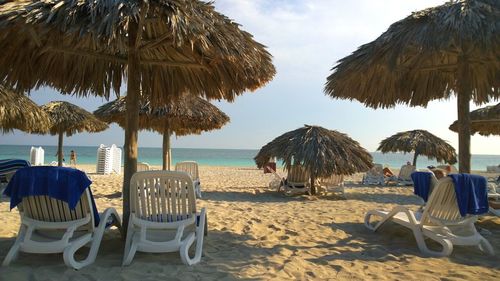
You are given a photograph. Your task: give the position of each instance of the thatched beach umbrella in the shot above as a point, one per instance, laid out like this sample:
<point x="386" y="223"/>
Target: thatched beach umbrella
<point x="67" y="118"/>
<point x="19" y="112"/>
<point x="187" y="115"/>
<point x="485" y="121"/>
<point x="420" y="142"/>
<point x="322" y="152"/>
<point x="432" y="54"/>
<point x="162" y="49"/>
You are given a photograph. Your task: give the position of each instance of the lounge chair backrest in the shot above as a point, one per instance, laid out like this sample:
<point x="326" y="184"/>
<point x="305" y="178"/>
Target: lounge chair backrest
<point x="297" y="174"/>
<point x="333" y="180"/>
<point x="442" y="205"/>
<point x="376" y="170"/>
<point x="189" y="167"/>
<point x="47" y="209"/>
<point x="405" y="172"/>
<point x="162" y="196"/>
<point x="141" y="166"/>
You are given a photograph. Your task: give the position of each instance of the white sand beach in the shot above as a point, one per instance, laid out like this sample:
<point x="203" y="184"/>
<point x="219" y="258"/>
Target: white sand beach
<point x="258" y="234"/>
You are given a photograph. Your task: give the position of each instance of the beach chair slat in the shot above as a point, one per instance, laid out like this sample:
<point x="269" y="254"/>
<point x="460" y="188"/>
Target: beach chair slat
<point x="142" y="193"/>
<point x="183" y="198"/>
<point x="43" y="207"/>
<point x="152" y="194"/>
<point x="162" y="200"/>
<point x="173" y="200"/>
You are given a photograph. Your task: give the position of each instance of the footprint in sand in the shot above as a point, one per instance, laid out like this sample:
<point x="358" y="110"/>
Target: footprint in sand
<point x="284" y="237"/>
<point x="256" y="220"/>
<point x="291" y="232"/>
<point x="273" y="227"/>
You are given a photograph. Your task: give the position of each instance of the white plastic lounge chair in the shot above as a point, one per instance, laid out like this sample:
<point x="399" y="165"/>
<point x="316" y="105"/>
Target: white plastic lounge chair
<point x="297" y="181"/>
<point x="404" y="176"/>
<point x="493" y="169"/>
<point x="440" y="221"/>
<point x="334" y="183"/>
<point x="163" y="216"/>
<point x="191" y="168"/>
<point x="493" y="197"/>
<point x="49" y="226"/>
<point x="278" y="180"/>
<point x="375" y="176"/>
<point x="142" y="166"/>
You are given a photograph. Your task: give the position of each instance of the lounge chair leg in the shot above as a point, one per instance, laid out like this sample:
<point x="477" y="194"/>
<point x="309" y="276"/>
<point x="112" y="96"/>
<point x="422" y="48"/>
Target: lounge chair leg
<point x="129" y="253"/>
<point x="14" y="250"/>
<point x="132" y="249"/>
<point x="422" y="246"/>
<point x="184" y="251"/>
<point x="486" y="247"/>
<point x="378" y="225"/>
<point x="69" y="253"/>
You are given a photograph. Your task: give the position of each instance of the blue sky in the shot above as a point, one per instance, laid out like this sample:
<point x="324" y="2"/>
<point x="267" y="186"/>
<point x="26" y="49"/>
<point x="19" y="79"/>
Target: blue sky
<point x="306" y="38"/>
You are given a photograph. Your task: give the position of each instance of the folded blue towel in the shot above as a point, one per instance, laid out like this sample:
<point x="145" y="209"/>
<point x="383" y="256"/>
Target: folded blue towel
<point x="65" y="184"/>
<point x="471" y="192"/>
<point x="11" y="165"/>
<point x="422" y="184"/>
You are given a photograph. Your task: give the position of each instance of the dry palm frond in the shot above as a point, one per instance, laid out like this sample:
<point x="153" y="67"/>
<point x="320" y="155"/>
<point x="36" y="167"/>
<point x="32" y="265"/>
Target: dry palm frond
<point x="419" y="58"/>
<point x="186" y="115"/>
<point x="69" y="119"/>
<point x="322" y="152"/>
<point x="420" y="142"/>
<point x="485" y="121"/>
<point x="81" y="48"/>
<point x="19" y="112"/>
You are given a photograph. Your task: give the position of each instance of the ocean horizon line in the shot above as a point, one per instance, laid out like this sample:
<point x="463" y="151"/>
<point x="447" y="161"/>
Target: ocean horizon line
<point x="204" y="148"/>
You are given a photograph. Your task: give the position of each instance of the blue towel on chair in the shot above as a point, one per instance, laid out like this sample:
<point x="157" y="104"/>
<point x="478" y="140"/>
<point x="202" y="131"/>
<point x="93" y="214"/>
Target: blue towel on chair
<point x="472" y="193"/>
<point x="65" y="184"/>
<point x="422" y="184"/>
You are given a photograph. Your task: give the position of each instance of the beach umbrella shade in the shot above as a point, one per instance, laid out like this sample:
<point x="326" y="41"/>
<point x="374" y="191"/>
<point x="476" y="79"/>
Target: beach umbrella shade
<point x="67" y="118"/>
<point x="485" y="121"/>
<point x="160" y="48"/>
<point x="18" y="112"/>
<point x="320" y="151"/>
<point x="187" y="115"/>
<point x="452" y="49"/>
<point x="420" y="142"/>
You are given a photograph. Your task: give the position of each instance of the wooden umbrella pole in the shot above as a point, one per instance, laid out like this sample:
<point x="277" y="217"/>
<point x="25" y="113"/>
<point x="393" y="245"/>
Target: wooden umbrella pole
<point x="415" y="159"/>
<point x="313" y="186"/>
<point x="132" y="121"/>
<point x="463" y="101"/>
<point x="60" y="149"/>
<point x="166" y="149"/>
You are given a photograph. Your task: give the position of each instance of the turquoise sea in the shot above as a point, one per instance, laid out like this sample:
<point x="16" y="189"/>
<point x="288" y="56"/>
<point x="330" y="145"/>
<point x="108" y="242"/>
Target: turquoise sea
<point x="218" y="157"/>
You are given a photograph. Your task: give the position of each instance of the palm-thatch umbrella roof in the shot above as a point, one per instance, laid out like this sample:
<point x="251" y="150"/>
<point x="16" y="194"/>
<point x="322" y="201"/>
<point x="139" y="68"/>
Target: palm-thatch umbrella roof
<point x="19" y="112"/>
<point x="162" y="48"/>
<point x="187" y="115"/>
<point x="67" y="118"/>
<point x="83" y="47"/>
<point x="420" y="142"/>
<point x="432" y="54"/>
<point x="322" y="152"/>
<point x="485" y="121"/>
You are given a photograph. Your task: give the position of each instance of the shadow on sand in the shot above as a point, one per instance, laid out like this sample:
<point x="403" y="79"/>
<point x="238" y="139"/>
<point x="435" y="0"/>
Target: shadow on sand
<point x="396" y="243"/>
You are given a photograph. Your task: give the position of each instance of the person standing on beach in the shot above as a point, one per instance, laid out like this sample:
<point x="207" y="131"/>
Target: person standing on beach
<point x="72" y="158"/>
